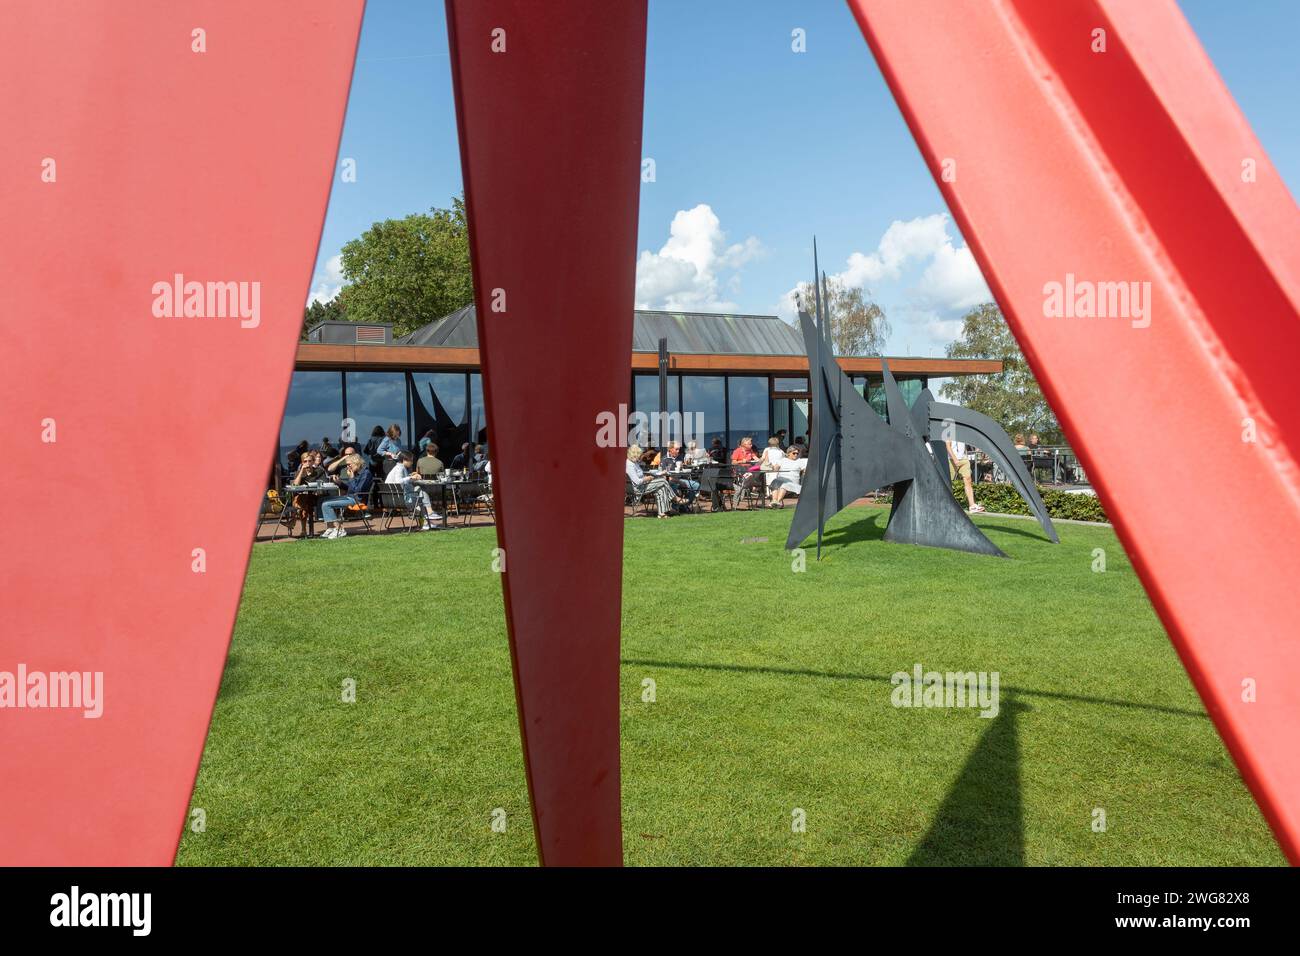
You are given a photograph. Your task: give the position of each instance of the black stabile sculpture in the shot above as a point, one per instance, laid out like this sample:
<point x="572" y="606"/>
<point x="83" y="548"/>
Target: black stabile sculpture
<point x="852" y="451"/>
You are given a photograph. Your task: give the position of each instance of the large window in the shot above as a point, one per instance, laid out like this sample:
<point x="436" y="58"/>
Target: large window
<point x="704" y="408"/>
<point x="478" y="409"/>
<point x="645" y="399"/>
<point x="438" y="405"/>
<point x="747" y="403"/>
<point x="377" y="398"/>
<point x="314" y="410"/>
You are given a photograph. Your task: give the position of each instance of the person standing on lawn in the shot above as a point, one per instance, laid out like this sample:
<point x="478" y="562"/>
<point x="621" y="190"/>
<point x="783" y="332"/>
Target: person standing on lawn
<point x="959" y="464"/>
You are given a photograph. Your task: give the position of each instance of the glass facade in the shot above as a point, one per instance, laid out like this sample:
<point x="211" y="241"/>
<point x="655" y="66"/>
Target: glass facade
<point x="748" y="409"/>
<point x="477" y="409"/>
<point x="726" y="407"/>
<point x="439" y="404"/>
<point x="314" y="410"/>
<point x="790" y="384"/>
<point x="704" y="398"/>
<point x="377" y="398"/>
<point x="645" y="399"/>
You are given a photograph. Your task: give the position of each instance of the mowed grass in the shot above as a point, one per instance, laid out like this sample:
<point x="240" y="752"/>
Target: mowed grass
<point x="772" y="696"/>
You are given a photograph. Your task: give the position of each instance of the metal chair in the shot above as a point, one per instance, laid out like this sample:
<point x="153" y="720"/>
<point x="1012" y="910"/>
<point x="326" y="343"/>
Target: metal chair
<point x="750" y="487"/>
<point x="392" y="504"/>
<point x="477" y="495"/>
<point x="635" y="498"/>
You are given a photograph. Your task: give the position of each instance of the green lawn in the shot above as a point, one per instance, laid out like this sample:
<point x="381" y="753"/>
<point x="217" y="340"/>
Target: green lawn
<point x="792" y="712"/>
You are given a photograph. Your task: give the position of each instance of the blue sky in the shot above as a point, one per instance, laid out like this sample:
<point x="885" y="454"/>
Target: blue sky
<point x="755" y="149"/>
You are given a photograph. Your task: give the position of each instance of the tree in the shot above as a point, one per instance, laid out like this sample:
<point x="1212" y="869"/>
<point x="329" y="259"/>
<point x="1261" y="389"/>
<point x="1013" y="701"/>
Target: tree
<point x="858" y="325"/>
<point x="1012" y="397"/>
<point x="317" y="312"/>
<point x="409" y="271"/>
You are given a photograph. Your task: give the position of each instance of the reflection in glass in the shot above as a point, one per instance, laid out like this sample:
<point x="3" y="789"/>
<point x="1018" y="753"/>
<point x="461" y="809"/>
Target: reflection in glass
<point x="747" y="397"/>
<point x="703" y="395"/>
<point x="645" y="391"/>
<point x="314" y="410"/>
<point x="377" y="398"/>
<point x="438" y="406"/>
<point x="478" y="411"/>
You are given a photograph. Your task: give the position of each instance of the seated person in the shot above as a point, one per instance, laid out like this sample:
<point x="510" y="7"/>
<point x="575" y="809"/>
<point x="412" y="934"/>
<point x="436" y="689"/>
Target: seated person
<point x="355" y="483"/>
<point x="787" y="479"/>
<point x="674" y="456"/>
<point x="803" y="449"/>
<point x="429" y="465"/>
<point x="716" y="452"/>
<point x="643" y="484"/>
<point x="480" y="460"/>
<point x="465" y="459"/>
<point x="744" y="461"/>
<point x="744" y="452"/>
<point x="400" y="474"/>
<point x="772" y="455"/>
<point x="310" y="470"/>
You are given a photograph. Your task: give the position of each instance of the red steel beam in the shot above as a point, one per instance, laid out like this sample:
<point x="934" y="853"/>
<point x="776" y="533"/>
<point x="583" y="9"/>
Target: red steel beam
<point x="548" y="102"/>
<point x="142" y="141"/>
<point x="1093" y="139"/>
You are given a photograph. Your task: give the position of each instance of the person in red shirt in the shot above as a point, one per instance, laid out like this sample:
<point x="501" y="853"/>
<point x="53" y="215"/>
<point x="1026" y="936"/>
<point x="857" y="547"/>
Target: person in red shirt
<point x="744" y="451"/>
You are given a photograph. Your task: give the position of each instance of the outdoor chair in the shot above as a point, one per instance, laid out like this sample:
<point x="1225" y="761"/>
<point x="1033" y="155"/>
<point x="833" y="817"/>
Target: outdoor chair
<point x="638" y="499"/>
<point x="715" y="480"/>
<point x="274" y="510"/>
<point x="393" y="504"/>
<point x="751" y="488"/>
<point x="477" y="496"/>
<point x="361" y="512"/>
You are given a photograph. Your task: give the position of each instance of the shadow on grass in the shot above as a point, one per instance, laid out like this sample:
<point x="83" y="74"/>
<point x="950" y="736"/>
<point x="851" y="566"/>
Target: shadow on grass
<point x="886" y="679"/>
<point x="871" y="527"/>
<point x="981" y="821"/>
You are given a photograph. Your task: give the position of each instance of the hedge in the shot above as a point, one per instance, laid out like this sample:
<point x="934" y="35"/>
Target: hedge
<point x="1060" y="504"/>
<point x="1004" y="500"/>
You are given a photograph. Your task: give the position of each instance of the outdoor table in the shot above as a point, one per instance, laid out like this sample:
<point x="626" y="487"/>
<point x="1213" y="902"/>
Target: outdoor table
<point x="316" y="490"/>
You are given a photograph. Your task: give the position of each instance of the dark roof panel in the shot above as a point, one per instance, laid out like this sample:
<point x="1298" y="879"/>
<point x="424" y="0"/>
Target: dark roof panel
<point x="687" y="332"/>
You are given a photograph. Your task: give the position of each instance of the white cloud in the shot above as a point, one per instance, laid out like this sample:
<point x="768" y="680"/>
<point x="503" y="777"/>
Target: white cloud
<point x="903" y="243"/>
<point x="952" y="281"/>
<point x="326" y="285"/>
<point x="936" y="280"/>
<point x="685" y="274"/>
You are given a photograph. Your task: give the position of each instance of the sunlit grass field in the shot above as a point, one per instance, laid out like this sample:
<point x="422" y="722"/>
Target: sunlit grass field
<point x="773" y="696"/>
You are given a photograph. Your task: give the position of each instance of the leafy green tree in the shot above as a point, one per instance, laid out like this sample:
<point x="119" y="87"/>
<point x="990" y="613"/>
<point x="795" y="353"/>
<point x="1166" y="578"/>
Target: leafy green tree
<point x="858" y="325"/>
<point x="409" y="271"/>
<point x="1012" y="397"/>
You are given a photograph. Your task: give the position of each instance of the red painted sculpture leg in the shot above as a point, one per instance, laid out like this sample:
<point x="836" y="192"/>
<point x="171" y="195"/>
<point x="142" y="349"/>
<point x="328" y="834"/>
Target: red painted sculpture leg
<point x="548" y="100"/>
<point x="1084" y="142"/>
<point x="144" y="141"/>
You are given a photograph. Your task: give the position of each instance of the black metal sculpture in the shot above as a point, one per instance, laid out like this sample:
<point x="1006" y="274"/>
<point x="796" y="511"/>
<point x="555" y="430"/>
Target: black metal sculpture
<point x="854" y="451"/>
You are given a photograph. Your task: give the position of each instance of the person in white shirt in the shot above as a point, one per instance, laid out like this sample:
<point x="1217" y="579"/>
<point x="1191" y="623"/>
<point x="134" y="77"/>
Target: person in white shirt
<point x="400" y="474"/>
<point x="959" y="464"/>
<point x="788" y="478"/>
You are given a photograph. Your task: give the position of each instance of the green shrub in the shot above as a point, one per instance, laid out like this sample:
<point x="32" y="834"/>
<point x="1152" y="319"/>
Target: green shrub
<point x="1060" y="504"/>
